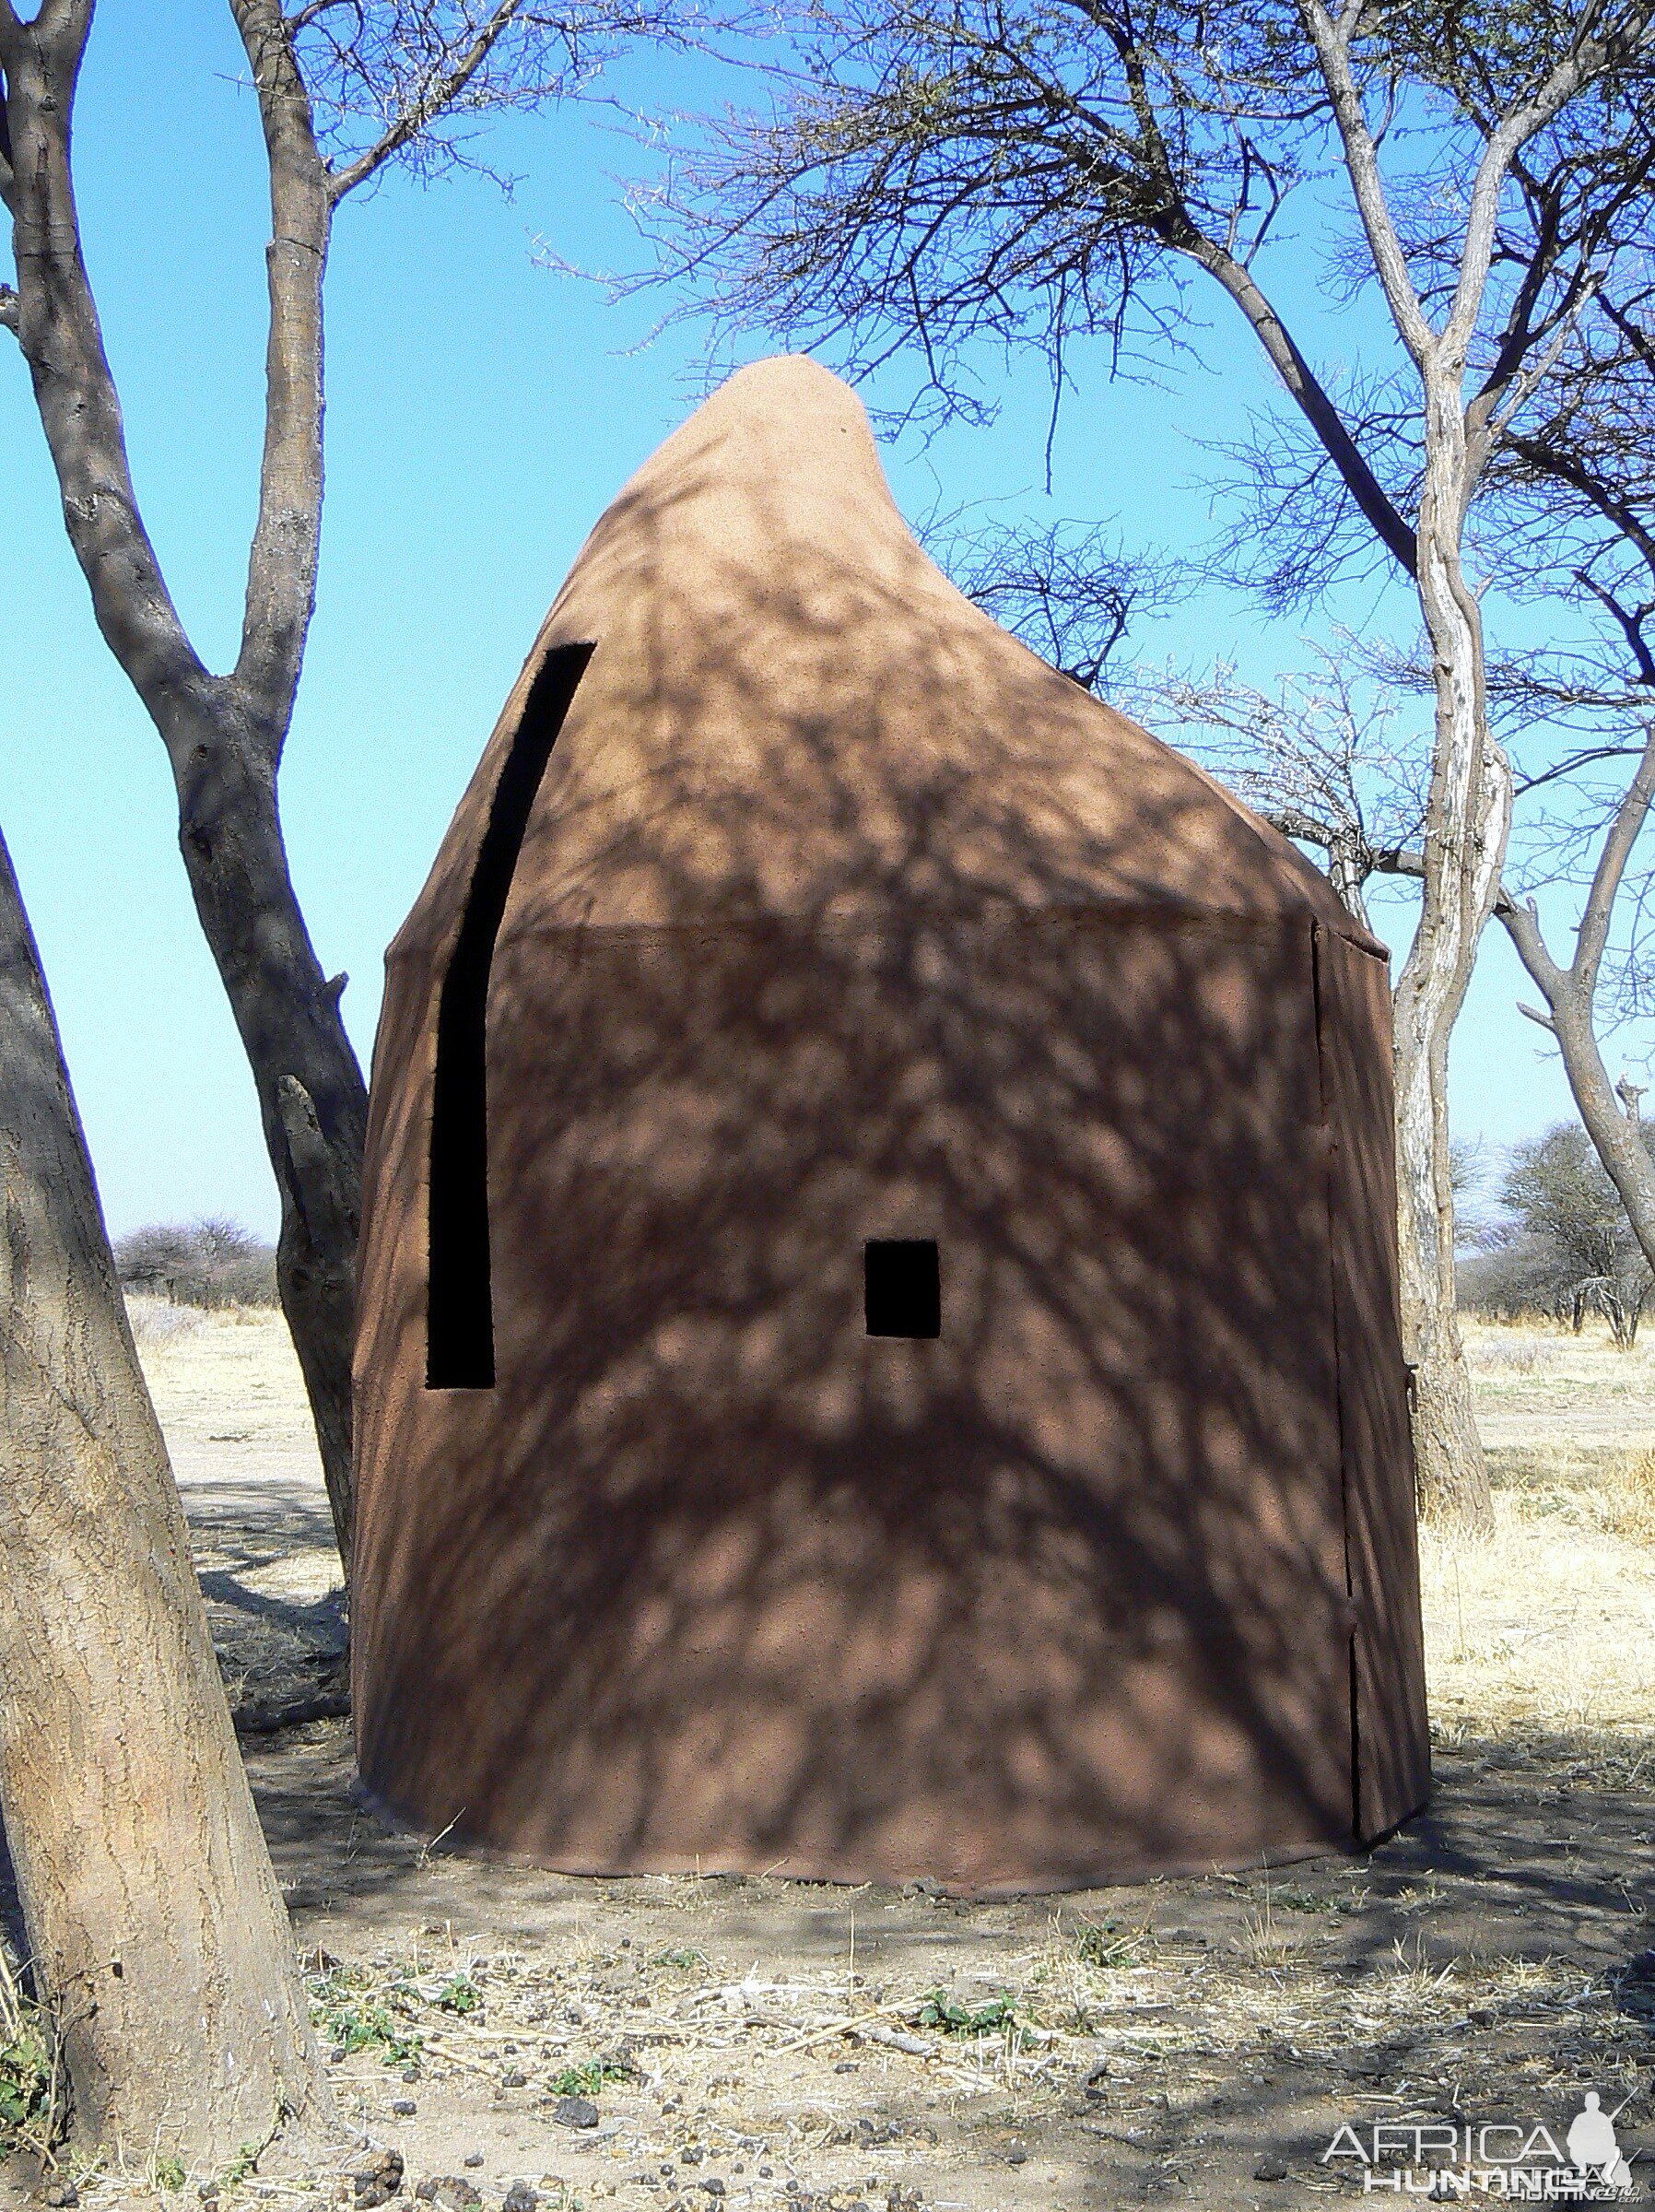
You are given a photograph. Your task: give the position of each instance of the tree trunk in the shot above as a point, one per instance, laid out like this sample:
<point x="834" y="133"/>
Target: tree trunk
<point x="223" y="734"/>
<point x="313" y="1102"/>
<point x="1618" y="1140"/>
<point x="157" y="1931"/>
<point x="1466" y="827"/>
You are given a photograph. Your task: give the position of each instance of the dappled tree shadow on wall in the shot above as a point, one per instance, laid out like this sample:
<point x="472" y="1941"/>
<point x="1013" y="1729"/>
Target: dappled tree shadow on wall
<point x="834" y="925"/>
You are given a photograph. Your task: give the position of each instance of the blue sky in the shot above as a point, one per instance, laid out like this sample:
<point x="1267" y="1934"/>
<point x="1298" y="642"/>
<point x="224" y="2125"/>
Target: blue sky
<point x="482" y="411"/>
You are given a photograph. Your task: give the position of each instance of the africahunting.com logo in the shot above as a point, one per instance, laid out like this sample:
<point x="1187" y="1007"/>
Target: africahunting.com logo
<point x="1523" y="2163"/>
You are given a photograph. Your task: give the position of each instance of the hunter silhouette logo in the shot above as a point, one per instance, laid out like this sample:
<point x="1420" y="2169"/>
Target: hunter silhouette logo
<point x="1593" y="2145"/>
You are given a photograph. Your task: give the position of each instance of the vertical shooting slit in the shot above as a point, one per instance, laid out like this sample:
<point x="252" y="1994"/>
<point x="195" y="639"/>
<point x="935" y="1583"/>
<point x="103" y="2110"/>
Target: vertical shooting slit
<point x="459" y="1300"/>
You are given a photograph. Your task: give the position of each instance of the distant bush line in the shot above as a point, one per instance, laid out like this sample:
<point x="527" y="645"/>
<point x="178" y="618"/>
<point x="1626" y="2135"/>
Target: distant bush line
<point x="1563" y="1246"/>
<point x="210" y="1263"/>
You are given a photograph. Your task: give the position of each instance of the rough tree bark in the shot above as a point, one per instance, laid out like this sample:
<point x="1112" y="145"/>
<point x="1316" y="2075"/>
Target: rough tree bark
<point x="224" y="735"/>
<point x="1467" y="822"/>
<point x="155" y="1922"/>
<point x="1468" y="813"/>
<point x="1469" y="810"/>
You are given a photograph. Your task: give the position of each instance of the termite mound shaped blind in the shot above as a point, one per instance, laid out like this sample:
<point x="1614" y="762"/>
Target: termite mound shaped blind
<point x="839" y="921"/>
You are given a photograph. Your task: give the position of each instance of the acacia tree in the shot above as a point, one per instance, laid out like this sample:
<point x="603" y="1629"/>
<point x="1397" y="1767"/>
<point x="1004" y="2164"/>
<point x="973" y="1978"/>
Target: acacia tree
<point x="944" y="172"/>
<point x="344" y="88"/>
<point x="1565" y="522"/>
<point x="1564" y="525"/>
<point x="1316" y="759"/>
<point x="158" y="1934"/>
<point x="1558" y="1198"/>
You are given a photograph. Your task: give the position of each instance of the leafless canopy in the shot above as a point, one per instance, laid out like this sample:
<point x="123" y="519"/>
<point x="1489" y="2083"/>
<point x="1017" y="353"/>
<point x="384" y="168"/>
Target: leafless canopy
<point x="418" y="81"/>
<point x="1319" y="755"/>
<point x="939" y="173"/>
<point x="934" y="174"/>
<point x="1068" y="590"/>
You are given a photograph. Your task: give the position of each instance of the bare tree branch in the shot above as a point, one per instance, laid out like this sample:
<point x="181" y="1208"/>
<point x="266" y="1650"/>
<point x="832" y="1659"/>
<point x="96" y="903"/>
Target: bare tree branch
<point x="5" y="172"/>
<point x="1571" y="765"/>
<point x="281" y="570"/>
<point x="1512" y="133"/>
<point x="1318" y="409"/>
<point x="1314" y="756"/>
<point x="1629" y="621"/>
<point x="63" y="343"/>
<point x="1331" y="38"/>
<point x="1067" y="591"/>
<point x="1522" y="917"/>
<point x="1553" y="461"/>
<point x="1571" y="1004"/>
<point x="1293" y="822"/>
<point x="412" y="82"/>
<point x="64" y="25"/>
<point x="425" y="72"/>
<point x="444" y="89"/>
<point x="1629" y="818"/>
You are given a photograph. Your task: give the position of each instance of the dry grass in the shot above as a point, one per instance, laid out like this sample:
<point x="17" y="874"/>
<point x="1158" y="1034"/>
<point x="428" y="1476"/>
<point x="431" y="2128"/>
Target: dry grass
<point x="1543" y="1635"/>
<point x="1629" y="1496"/>
<point x="1502" y="1350"/>
<point x="156" y="1322"/>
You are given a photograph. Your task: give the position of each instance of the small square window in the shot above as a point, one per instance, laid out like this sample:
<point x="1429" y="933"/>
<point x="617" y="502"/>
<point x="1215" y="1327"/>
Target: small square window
<point x="902" y="1292"/>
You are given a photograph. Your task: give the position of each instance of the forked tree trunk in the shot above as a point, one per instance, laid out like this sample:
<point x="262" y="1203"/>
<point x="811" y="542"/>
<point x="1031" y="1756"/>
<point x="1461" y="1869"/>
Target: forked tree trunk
<point x="157" y="1929"/>
<point x="1466" y="827"/>
<point x="224" y="735"/>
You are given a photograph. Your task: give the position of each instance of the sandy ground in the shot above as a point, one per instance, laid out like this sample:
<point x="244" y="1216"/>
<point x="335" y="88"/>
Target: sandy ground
<point x="1196" y="2041"/>
<point x="231" y="1400"/>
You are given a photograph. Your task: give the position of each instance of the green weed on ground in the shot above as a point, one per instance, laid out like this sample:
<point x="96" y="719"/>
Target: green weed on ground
<point x="588" y="2079"/>
<point x="28" y="2072"/>
<point x="459" y="1993"/>
<point x="940" y="2010"/>
<point x="352" y="2016"/>
<point x="1105" y="1942"/>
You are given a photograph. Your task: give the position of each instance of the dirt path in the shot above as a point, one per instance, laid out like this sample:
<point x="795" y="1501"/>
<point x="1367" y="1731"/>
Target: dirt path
<point x="1193" y="2041"/>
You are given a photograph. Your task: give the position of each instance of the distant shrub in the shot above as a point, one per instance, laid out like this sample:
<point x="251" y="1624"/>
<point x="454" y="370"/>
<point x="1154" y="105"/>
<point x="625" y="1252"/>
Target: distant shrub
<point x="1514" y="1281"/>
<point x="210" y="1263"/>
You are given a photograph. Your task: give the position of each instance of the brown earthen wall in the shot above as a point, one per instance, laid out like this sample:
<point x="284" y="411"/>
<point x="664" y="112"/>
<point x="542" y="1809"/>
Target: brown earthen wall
<point x="712" y="1577"/>
<point x="837" y="916"/>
